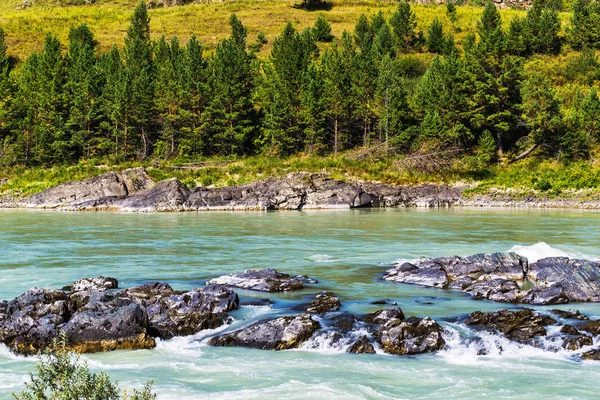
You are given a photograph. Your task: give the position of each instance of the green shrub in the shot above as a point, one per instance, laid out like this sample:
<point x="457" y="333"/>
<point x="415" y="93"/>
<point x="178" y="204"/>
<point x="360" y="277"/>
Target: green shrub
<point x="61" y="375"/>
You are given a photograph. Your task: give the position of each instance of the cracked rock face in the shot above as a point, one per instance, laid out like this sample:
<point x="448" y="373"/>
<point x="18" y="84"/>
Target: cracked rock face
<point x="264" y="280"/>
<point x="506" y="277"/>
<point x="277" y="334"/>
<point x="411" y="336"/>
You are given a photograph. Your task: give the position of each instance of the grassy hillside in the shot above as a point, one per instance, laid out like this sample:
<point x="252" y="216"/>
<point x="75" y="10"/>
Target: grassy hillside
<point x="108" y="20"/>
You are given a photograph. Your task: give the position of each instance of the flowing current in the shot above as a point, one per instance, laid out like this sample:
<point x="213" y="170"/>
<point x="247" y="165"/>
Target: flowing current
<point x="348" y="252"/>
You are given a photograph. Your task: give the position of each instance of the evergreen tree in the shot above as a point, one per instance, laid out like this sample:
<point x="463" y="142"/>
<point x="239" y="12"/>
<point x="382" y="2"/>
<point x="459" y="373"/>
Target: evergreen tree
<point x="489" y="28"/>
<point x="8" y="151"/>
<point x="543" y="27"/>
<point x="82" y="89"/>
<point x="590" y="108"/>
<point x="451" y="12"/>
<point x="313" y="111"/>
<point x="337" y="69"/>
<point x="169" y="93"/>
<point x="363" y="35"/>
<point x="518" y="38"/>
<point x="322" y="30"/>
<point x="114" y="102"/>
<point x="392" y="105"/>
<point x="436" y="41"/>
<point x="140" y="78"/>
<point x="384" y="43"/>
<point x="404" y="25"/>
<point x="541" y="113"/>
<point x="377" y="22"/>
<point x="229" y="119"/>
<point x="585" y="24"/>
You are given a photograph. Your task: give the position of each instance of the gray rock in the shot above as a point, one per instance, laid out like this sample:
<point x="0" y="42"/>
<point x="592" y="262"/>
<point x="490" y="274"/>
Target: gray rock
<point x="168" y="195"/>
<point x="382" y="316"/>
<point x="323" y="303"/>
<point x="29" y="322"/>
<point x="277" y="334"/>
<point x="593" y="355"/>
<point x="520" y="325"/>
<point x="362" y="346"/>
<point x="179" y="314"/>
<point x="95" y="190"/>
<point x="577" y="342"/>
<point x="411" y="336"/>
<point x="264" y="280"/>
<point x="571" y="314"/>
<point x="98" y="283"/>
<point x="116" y="324"/>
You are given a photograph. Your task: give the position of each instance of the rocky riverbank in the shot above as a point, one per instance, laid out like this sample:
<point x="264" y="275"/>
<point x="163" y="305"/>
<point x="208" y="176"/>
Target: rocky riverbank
<point x="134" y="191"/>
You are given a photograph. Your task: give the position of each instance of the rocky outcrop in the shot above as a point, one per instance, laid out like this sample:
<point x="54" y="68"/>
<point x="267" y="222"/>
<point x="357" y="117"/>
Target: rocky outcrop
<point x="521" y="325"/>
<point x="506" y="277"/>
<point x="401" y="336"/>
<point x="97" y="316"/>
<point x="97" y="191"/>
<point x="133" y="190"/>
<point x="324" y="302"/>
<point x="29" y="322"/>
<point x="179" y="314"/>
<point x="264" y="280"/>
<point x="277" y="334"/>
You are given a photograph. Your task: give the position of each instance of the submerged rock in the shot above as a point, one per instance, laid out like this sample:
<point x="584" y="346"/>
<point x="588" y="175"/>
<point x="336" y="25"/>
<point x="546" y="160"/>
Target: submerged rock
<point x="264" y="280"/>
<point x="277" y="334"/>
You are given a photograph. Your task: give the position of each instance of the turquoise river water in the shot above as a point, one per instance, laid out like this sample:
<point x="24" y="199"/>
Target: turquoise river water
<point x="347" y="251"/>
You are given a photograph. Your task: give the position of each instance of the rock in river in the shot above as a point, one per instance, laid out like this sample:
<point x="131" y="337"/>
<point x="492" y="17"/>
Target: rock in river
<point x="277" y="334"/>
<point x="506" y="277"/>
<point x="264" y="280"/>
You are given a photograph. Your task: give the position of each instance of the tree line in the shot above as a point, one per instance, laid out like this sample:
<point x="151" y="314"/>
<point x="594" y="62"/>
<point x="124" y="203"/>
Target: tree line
<point x="166" y="99"/>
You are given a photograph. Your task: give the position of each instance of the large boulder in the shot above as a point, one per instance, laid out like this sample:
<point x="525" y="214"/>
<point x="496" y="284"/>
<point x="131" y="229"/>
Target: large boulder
<point x="411" y="336"/>
<point x="93" y="191"/>
<point x="179" y="314"/>
<point x="167" y="195"/>
<point x="276" y="334"/>
<point x="29" y="322"/>
<point x="323" y="303"/>
<point x="264" y="280"/>
<point x="108" y="323"/>
<point x="443" y="272"/>
<point x="518" y="325"/>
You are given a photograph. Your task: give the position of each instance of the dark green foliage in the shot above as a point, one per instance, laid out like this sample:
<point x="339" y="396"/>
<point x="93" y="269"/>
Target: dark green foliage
<point x="322" y="30"/>
<point x="437" y="41"/>
<point x="404" y="25"/>
<point x="313" y="110"/>
<point x="585" y="24"/>
<point x="229" y="124"/>
<point x="486" y="148"/>
<point x="537" y="33"/>
<point x="62" y="375"/>
<point x="585" y="67"/>
<point x="489" y="28"/>
<point x="451" y="12"/>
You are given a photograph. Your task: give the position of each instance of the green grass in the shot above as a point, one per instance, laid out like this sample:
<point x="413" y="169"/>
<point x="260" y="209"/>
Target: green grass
<point x="109" y="20"/>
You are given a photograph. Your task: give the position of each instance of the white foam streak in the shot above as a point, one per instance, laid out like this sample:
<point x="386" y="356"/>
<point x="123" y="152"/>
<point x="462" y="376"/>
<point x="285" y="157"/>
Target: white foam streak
<point x="541" y="250"/>
<point x="321" y="258"/>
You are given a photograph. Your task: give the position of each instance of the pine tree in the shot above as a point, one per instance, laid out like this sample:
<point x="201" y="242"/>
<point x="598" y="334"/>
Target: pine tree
<point x="585" y="24"/>
<point x="6" y="92"/>
<point x="140" y="77"/>
<point x="543" y="27"/>
<point x="541" y="113"/>
<point x="451" y="12"/>
<point x="229" y="120"/>
<point x="114" y="102"/>
<point x="82" y="89"/>
<point x="404" y="24"/>
<point x="322" y="30"/>
<point x="518" y="38"/>
<point x="363" y="35"/>
<point x="384" y="43"/>
<point x="491" y="35"/>
<point x="377" y="22"/>
<point x="313" y="112"/>
<point x="337" y="69"/>
<point x="590" y="108"/>
<point x="436" y="41"/>
<point x="392" y="105"/>
<point x="169" y="93"/>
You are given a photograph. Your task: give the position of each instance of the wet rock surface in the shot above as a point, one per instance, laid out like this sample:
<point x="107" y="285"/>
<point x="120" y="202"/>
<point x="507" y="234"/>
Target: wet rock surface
<point x="410" y="336"/>
<point x="97" y="316"/>
<point x="264" y="280"/>
<point x="506" y="277"/>
<point x="133" y="190"/>
<point x="324" y="302"/>
<point x="520" y="325"/>
<point x="277" y="334"/>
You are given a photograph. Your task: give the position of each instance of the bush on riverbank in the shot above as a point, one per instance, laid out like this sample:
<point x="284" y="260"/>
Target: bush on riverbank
<point x="62" y="375"/>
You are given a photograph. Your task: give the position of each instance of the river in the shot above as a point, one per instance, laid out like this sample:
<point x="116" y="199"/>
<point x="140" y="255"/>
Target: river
<point x="347" y="251"/>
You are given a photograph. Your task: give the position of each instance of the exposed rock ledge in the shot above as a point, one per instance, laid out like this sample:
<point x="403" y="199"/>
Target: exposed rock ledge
<point x="506" y="277"/>
<point x="133" y="190"/>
